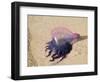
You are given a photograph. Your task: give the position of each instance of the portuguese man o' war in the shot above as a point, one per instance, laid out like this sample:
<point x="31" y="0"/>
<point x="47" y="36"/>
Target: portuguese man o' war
<point x="61" y="43"/>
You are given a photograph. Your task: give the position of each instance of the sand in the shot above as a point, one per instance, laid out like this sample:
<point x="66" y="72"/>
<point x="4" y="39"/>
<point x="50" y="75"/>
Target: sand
<point x="39" y="33"/>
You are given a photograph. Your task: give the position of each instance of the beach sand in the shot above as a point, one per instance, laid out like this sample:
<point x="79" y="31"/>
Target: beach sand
<point x="39" y="33"/>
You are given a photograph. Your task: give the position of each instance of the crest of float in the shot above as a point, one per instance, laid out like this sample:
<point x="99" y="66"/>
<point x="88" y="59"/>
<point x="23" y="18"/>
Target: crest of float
<point x="60" y="34"/>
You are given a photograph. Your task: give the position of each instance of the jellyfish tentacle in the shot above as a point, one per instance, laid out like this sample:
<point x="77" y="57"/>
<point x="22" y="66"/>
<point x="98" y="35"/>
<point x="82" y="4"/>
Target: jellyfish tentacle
<point x="52" y="59"/>
<point x="58" y="56"/>
<point x="54" y="55"/>
<point x="62" y="58"/>
<point x="46" y="49"/>
<point x="49" y="53"/>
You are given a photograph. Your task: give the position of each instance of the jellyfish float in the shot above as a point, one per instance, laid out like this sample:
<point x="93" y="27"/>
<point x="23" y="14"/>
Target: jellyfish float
<point x="61" y="43"/>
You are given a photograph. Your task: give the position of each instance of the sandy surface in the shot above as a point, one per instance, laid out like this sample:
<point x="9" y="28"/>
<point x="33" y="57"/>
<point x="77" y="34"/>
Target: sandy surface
<point x="39" y="33"/>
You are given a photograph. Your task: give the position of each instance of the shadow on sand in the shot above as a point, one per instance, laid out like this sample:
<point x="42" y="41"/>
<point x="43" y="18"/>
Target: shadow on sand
<point x="83" y="38"/>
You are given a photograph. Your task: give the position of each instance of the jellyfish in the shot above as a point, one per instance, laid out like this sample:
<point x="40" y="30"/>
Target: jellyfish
<point x="61" y="43"/>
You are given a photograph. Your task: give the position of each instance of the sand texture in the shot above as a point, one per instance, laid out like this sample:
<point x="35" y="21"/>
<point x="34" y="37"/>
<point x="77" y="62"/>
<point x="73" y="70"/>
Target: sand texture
<point x="39" y="33"/>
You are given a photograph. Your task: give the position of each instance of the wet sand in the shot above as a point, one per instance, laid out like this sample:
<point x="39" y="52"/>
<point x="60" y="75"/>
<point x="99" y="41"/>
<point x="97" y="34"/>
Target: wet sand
<point x="39" y="33"/>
